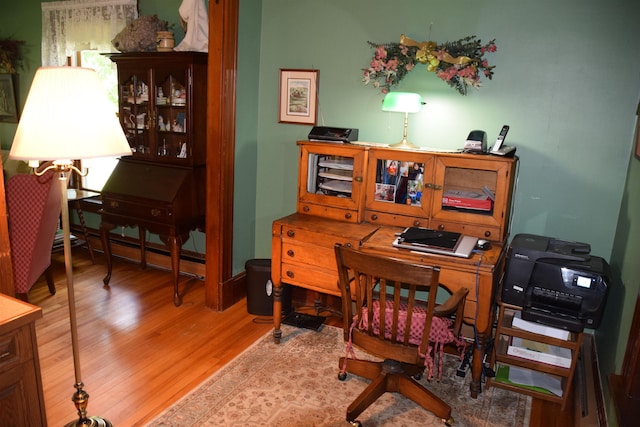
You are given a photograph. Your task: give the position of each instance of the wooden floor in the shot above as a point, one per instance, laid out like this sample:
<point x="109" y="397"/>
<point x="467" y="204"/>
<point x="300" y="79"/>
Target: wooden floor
<point x="139" y="353"/>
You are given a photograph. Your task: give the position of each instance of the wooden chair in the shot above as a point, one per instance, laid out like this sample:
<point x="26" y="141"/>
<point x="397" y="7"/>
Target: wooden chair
<point x="383" y="333"/>
<point x="33" y="206"/>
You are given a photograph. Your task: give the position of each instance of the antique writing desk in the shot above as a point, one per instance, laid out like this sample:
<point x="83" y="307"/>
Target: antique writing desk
<point x="361" y="195"/>
<point x="302" y="251"/>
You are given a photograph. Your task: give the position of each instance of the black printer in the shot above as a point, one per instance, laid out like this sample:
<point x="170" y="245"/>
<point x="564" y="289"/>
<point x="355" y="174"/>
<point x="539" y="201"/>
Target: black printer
<point x="556" y="282"/>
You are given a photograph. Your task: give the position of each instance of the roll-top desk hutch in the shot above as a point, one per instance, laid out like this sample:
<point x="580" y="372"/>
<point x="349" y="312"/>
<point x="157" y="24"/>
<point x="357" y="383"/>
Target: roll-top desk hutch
<point x="161" y="186"/>
<point x="363" y="195"/>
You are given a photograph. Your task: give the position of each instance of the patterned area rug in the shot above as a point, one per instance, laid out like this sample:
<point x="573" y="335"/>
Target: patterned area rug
<point x="296" y="383"/>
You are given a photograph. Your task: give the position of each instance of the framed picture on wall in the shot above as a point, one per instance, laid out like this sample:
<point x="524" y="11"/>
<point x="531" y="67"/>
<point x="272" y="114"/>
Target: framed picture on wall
<point x="8" y="107"/>
<point x="298" y="96"/>
<point x="638" y="132"/>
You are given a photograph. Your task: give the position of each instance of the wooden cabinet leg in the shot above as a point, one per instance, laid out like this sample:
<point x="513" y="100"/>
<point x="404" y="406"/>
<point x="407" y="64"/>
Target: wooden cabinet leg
<point x="175" y="245"/>
<point x="277" y="311"/>
<point x="106" y="247"/>
<point x="142" y="237"/>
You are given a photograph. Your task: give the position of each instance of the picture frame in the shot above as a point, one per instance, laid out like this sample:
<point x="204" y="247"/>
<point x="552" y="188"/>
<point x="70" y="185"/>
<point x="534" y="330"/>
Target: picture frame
<point x="8" y="105"/>
<point x="298" y="103"/>
<point x="638" y="132"/>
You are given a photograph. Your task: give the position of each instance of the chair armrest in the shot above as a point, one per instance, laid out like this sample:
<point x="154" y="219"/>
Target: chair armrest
<point x="452" y="303"/>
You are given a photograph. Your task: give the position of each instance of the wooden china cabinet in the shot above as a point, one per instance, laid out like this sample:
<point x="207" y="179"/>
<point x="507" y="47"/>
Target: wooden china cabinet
<point x="161" y="187"/>
<point x="364" y="195"/>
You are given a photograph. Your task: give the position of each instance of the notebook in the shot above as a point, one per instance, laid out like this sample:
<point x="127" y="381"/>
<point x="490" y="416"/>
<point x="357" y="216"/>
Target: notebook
<point x="435" y="241"/>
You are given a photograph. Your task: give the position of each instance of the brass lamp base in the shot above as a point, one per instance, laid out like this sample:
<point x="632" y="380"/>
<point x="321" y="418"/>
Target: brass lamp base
<point x="90" y="422"/>
<point x="81" y="399"/>
<point x="404" y="144"/>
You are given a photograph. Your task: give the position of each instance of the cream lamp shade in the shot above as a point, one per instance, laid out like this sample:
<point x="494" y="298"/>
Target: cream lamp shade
<point x="68" y="116"/>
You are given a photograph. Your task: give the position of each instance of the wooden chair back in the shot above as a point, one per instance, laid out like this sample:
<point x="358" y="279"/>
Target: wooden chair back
<point x="408" y="292"/>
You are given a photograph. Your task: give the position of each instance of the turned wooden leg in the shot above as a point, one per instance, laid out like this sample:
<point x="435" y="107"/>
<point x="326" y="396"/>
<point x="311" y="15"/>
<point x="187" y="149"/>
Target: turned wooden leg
<point x="106" y="247"/>
<point x="277" y="311"/>
<point x="175" y="245"/>
<point x="142" y="237"/>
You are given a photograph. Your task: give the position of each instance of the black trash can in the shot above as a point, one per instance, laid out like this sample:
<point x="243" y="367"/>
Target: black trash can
<point x="260" y="289"/>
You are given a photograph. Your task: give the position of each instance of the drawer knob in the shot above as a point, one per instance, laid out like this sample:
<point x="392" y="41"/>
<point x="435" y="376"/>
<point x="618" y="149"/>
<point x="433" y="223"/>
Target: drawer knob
<point x="416" y="223"/>
<point x="155" y="212"/>
<point x="291" y="233"/>
<point x="348" y="244"/>
<point x="114" y="204"/>
<point x="374" y="217"/>
<point x="441" y="227"/>
<point x="487" y="233"/>
<point x="306" y="209"/>
<point x="357" y="178"/>
<point x="291" y="253"/>
<point x="290" y="274"/>
<point x="347" y="215"/>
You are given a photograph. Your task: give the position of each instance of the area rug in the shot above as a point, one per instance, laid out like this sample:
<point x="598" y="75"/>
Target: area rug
<point x="295" y="383"/>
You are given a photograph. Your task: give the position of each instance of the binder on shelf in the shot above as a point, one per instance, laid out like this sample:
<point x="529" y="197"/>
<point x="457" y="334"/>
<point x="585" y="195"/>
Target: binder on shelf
<point x="540" y="352"/>
<point x="529" y="379"/>
<point x="538" y="328"/>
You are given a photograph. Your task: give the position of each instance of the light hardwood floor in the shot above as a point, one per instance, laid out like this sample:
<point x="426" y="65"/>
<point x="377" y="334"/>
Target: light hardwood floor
<point x="139" y="353"/>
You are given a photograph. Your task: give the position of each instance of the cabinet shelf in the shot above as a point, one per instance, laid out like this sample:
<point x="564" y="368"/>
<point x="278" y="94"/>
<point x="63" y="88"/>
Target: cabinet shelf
<point x="531" y="362"/>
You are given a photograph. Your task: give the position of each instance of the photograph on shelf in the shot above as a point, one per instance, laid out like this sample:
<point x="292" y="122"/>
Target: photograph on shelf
<point x="385" y="192"/>
<point x="298" y="96"/>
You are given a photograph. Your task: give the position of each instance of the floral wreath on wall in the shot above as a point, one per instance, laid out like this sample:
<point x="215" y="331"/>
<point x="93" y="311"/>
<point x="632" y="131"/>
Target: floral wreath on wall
<point x="460" y="63"/>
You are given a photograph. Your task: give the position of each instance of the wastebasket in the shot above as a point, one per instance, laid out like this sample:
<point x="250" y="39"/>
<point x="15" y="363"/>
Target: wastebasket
<point x="260" y="289"/>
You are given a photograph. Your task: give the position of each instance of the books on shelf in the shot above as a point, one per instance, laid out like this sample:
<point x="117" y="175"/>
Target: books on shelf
<point x="538" y="328"/>
<point x="540" y="352"/>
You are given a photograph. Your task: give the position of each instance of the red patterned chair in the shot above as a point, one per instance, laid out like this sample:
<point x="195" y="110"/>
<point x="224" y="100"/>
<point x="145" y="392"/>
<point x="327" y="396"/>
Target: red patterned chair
<point x="33" y="207"/>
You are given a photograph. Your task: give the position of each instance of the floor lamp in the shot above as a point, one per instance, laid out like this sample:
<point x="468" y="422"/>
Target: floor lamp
<point x="67" y="116"/>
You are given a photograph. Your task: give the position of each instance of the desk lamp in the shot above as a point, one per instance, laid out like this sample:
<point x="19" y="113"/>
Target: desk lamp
<point x="402" y="102"/>
<point x="67" y="116"/>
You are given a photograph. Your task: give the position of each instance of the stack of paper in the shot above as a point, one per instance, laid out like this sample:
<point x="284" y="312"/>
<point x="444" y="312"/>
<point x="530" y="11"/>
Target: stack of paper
<point x="540" y="352"/>
<point x="538" y="328"/>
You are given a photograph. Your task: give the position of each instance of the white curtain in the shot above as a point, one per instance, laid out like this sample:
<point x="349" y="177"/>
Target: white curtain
<point x="73" y="25"/>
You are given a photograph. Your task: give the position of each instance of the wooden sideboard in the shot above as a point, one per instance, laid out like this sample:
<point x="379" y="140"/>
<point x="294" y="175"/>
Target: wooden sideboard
<point x="362" y="196"/>
<point x="21" y="395"/>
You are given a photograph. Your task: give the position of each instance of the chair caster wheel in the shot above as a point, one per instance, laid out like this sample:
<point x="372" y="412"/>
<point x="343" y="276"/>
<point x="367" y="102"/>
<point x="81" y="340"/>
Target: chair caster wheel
<point x="355" y="423"/>
<point x="342" y="376"/>
<point x="450" y="422"/>
<point x="417" y="376"/>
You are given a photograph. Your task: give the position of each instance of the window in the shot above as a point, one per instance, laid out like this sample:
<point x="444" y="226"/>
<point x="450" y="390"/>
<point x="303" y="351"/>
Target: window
<point x="82" y="30"/>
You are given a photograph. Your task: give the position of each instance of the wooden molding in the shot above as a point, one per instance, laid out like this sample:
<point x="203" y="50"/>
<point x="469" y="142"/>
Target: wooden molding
<point x="221" y="118"/>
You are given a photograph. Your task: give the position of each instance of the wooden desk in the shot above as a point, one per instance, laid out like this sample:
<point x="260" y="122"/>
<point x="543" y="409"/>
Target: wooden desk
<point x="302" y="255"/>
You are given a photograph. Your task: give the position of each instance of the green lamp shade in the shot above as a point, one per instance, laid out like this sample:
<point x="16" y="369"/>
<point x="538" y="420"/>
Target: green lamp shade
<point x="402" y="102"/>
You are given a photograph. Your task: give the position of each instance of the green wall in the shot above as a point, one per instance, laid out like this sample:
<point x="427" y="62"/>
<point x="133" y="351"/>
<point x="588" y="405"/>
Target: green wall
<point x="567" y="80"/>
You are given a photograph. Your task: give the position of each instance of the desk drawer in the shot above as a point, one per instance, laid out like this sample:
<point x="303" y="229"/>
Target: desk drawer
<point x="325" y="281"/>
<point x="300" y="235"/>
<point x="14" y="346"/>
<point x="317" y="256"/>
<point x="159" y="212"/>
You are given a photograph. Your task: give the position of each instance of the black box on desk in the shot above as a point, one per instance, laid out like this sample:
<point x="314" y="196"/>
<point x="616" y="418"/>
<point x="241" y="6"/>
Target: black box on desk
<point x="260" y="289"/>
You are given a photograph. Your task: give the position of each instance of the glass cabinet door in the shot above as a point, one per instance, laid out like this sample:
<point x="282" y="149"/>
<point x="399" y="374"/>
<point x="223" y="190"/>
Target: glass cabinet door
<point x="135" y="113"/>
<point x="471" y="195"/>
<point x="330" y="180"/>
<point x="172" y="127"/>
<point x="398" y="187"/>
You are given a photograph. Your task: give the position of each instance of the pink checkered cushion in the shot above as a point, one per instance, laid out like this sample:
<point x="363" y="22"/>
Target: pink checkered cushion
<point x="441" y="332"/>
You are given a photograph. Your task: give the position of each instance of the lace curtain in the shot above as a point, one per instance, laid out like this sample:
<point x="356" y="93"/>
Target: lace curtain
<point x="73" y="25"/>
